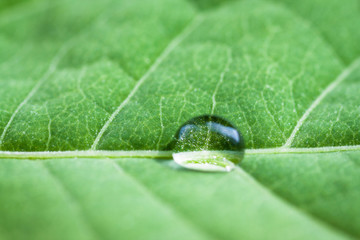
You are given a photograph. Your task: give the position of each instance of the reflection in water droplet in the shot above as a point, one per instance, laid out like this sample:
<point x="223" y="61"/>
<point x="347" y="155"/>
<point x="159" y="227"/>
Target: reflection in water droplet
<point x="208" y="143"/>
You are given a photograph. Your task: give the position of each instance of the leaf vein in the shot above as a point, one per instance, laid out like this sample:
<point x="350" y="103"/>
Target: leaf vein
<point x="51" y="69"/>
<point x="302" y="212"/>
<point x="48" y="73"/>
<point x="227" y="67"/>
<point x="67" y="193"/>
<point x="344" y="74"/>
<point x="172" y="45"/>
<point x="162" y="202"/>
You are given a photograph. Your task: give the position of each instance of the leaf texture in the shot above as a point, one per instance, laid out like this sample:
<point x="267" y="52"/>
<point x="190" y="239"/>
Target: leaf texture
<point x="82" y="76"/>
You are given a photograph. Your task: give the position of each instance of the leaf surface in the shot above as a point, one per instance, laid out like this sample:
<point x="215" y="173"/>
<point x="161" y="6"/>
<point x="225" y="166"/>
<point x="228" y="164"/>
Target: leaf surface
<point x="124" y="75"/>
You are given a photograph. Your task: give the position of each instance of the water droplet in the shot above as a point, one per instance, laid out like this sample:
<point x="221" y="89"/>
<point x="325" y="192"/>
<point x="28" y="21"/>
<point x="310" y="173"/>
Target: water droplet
<point x="208" y="143"/>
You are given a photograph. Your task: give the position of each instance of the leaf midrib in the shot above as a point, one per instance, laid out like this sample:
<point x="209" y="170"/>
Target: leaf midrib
<point x="162" y="154"/>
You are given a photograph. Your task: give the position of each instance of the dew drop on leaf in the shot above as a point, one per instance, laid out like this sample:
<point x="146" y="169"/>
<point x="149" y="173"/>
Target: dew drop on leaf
<point x="208" y="143"/>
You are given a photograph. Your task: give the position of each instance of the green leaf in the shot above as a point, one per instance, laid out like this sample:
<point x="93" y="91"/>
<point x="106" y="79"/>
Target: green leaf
<point x="98" y="89"/>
